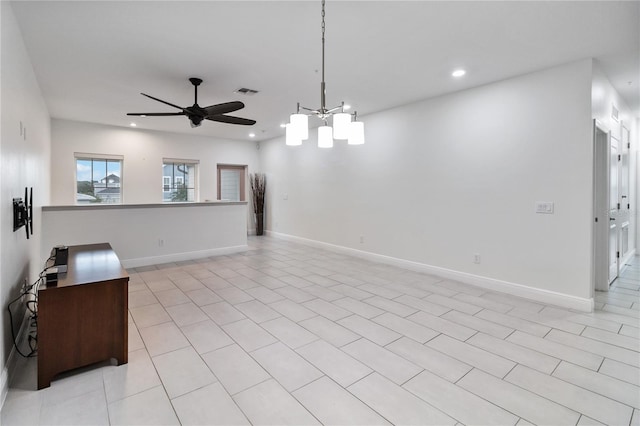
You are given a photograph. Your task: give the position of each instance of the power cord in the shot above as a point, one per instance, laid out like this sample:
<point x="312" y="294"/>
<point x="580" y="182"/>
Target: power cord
<point x="32" y="306"/>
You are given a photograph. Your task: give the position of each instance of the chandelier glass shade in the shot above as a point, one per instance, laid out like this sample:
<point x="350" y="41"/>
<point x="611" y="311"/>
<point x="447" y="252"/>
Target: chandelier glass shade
<point x="299" y="125"/>
<point x="341" y="123"/>
<point x="325" y="138"/>
<point x="345" y="125"/>
<point x="356" y="133"/>
<point x="291" y="137"/>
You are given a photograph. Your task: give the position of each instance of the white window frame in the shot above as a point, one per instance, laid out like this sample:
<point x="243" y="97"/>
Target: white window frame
<point x="242" y="168"/>
<point x="196" y="177"/>
<point x="100" y="157"/>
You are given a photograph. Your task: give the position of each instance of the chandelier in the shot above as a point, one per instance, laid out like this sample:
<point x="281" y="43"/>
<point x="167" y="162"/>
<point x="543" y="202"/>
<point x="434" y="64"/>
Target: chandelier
<point x="344" y="127"/>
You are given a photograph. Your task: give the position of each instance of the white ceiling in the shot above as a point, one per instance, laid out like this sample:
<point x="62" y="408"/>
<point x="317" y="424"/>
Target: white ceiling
<point x="92" y="59"/>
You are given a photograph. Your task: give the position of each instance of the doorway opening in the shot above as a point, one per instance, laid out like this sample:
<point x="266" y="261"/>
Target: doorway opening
<point x="231" y="182"/>
<point x="611" y="203"/>
<point x="605" y="268"/>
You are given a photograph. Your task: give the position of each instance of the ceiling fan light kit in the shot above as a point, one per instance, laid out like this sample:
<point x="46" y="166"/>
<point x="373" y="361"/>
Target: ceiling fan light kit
<point x="197" y="114"/>
<point x="345" y="125"/>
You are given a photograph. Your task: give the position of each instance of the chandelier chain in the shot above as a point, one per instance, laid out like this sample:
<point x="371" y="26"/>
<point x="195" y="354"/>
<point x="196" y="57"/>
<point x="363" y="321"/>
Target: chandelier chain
<point x="323" y="26"/>
<point x="322" y="89"/>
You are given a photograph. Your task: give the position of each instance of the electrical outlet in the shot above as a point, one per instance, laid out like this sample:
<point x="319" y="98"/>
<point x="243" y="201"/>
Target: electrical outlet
<point x="544" y="207"/>
<point x="160" y="243"/>
<point x="361" y="239"/>
<point x="476" y="258"/>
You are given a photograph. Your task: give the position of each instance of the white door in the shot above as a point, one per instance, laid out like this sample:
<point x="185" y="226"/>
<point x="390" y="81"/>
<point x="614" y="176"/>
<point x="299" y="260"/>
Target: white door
<point x="601" y="207"/>
<point x="614" y="208"/>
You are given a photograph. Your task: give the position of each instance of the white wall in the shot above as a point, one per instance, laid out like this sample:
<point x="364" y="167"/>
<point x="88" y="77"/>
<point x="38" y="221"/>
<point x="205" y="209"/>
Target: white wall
<point x="149" y="235"/>
<point x="143" y="151"/>
<point x="24" y="162"/>
<point x="442" y="179"/>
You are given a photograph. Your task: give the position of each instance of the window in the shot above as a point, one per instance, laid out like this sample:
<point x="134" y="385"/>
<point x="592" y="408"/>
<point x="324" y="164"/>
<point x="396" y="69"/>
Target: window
<point x="166" y="183"/>
<point x="179" y="180"/>
<point x="231" y="182"/>
<point x="98" y="179"/>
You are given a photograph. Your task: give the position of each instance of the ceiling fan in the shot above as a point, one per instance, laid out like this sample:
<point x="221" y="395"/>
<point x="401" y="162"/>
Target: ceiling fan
<point x="196" y="113"/>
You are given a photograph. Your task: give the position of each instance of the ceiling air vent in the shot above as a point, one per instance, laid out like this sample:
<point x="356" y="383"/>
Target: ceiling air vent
<point x="245" y="91"/>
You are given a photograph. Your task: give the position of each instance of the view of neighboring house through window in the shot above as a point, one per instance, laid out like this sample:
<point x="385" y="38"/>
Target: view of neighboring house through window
<point x="179" y="180"/>
<point x="231" y="181"/>
<point x="98" y="179"/>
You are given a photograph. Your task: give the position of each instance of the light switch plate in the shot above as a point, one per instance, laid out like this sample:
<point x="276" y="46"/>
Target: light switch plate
<point x="544" y="207"/>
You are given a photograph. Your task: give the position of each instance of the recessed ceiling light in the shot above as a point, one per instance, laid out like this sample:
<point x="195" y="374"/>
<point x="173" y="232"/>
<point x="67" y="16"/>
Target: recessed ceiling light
<point x="132" y="124"/>
<point x="252" y="135"/>
<point x="283" y="125"/>
<point x="458" y="73"/>
<point x="346" y="107"/>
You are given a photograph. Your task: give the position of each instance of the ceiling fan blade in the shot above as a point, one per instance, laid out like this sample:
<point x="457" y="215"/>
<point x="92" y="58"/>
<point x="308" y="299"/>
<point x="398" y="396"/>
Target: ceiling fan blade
<point x="223" y="108"/>
<point x="160" y="100"/>
<point x="232" y="120"/>
<point x="156" y="114"/>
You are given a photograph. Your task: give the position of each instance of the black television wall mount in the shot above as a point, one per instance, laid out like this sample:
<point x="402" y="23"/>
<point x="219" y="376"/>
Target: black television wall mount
<point x="23" y="212"/>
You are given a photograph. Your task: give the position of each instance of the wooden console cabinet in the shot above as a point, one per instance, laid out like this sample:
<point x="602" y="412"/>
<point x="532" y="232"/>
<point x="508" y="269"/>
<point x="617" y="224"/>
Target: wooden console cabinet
<point x="83" y="318"/>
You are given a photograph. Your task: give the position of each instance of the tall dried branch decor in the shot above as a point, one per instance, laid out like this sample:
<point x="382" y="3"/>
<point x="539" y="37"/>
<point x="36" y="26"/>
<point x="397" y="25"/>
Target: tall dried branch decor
<point x="258" y="188"/>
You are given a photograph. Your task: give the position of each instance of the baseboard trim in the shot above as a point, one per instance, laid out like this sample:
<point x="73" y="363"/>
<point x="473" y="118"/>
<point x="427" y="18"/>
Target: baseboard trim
<point x="178" y="257"/>
<point x="514" y="289"/>
<point x="9" y="368"/>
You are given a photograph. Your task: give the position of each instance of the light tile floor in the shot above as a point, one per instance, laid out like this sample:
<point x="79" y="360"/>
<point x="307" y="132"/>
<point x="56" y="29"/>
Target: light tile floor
<point x="288" y="334"/>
